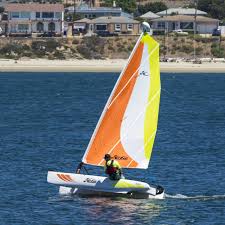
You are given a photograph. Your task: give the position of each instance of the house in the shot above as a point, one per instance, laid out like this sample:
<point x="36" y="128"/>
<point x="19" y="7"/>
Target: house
<point x="204" y="25"/>
<point x="149" y="16"/>
<point x="3" y="3"/>
<point x="35" y="18"/>
<point x="91" y="3"/>
<point x="181" y="11"/>
<point x="81" y="26"/>
<point x="94" y="12"/>
<point x="109" y="25"/>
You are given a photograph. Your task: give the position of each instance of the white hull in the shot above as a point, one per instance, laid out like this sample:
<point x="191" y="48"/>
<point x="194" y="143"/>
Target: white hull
<point x="71" y="183"/>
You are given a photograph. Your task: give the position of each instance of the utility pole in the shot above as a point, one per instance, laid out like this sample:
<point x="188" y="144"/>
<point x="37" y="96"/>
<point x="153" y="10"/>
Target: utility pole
<point x="165" y="37"/>
<point x="195" y="27"/>
<point x="74" y="11"/>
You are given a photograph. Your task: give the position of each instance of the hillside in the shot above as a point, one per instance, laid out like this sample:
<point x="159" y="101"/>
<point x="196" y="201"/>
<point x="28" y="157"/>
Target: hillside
<point x="169" y="3"/>
<point x="112" y="48"/>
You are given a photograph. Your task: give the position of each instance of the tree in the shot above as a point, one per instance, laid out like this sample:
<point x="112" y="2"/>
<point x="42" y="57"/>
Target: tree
<point x="215" y="8"/>
<point x="153" y="7"/>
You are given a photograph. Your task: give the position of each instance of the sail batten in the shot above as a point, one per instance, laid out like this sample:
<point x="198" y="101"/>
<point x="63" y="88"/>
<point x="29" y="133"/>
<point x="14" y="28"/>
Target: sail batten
<point x="128" y="124"/>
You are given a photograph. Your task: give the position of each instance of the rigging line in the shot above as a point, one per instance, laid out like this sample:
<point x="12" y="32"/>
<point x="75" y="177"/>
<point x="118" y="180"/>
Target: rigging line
<point x="152" y="99"/>
<point x="154" y="132"/>
<point x="132" y="76"/>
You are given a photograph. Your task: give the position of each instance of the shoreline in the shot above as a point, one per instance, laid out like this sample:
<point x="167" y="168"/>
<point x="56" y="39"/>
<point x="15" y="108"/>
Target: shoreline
<point x="110" y="65"/>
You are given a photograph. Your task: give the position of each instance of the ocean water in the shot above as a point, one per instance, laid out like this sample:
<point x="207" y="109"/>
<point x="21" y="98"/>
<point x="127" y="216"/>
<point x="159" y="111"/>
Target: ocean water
<point x="46" y="120"/>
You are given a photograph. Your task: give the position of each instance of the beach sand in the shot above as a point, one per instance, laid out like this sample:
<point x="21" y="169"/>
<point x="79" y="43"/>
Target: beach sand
<point x="44" y="65"/>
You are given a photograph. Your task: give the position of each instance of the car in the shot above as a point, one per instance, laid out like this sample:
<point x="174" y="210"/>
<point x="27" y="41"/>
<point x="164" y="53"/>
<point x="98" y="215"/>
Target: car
<point x="216" y="32"/>
<point x="105" y="33"/>
<point x="180" y="32"/>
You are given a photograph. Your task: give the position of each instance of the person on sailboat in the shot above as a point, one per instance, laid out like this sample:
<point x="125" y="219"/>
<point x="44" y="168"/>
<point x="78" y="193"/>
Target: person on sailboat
<point x="112" y="168"/>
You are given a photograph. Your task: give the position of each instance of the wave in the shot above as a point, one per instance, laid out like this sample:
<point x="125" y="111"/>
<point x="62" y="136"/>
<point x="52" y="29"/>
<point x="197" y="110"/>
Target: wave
<point x="197" y="197"/>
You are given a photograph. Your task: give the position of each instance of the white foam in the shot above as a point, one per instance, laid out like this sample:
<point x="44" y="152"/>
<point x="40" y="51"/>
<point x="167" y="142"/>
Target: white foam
<point x="197" y="197"/>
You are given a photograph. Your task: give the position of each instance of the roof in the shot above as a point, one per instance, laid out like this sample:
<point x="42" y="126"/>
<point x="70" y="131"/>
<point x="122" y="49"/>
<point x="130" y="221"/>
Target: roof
<point x="181" y="11"/>
<point x="149" y="15"/>
<point x="114" y="19"/>
<point x="185" y="18"/>
<point x="36" y="7"/>
<point x="84" y="20"/>
<point x="94" y="9"/>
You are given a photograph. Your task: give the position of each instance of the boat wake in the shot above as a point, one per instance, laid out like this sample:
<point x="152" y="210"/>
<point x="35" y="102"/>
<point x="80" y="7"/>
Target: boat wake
<point x="197" y="197"/>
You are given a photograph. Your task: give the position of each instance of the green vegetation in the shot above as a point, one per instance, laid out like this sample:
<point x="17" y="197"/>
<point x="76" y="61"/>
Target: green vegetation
<point x="127" y="5"/>
<point x="215" y="8"/>
<point x="217" y="50"/>
<point x="108" y="47"/>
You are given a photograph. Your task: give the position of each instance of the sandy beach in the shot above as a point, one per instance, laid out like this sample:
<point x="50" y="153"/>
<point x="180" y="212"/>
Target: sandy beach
<point x="44" y="65"/>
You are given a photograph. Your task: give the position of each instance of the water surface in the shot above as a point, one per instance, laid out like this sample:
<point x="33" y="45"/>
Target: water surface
<point x="46" y="122"/>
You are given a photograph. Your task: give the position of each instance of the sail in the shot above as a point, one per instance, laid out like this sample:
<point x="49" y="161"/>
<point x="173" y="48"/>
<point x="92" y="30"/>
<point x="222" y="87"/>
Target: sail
<point x="127" y="127"/>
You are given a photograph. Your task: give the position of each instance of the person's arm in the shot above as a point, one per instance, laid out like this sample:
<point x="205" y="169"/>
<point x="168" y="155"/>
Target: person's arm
<point x="79" y="167"/>
<point x="118" y="167"/>
<point x="105" y="168"/>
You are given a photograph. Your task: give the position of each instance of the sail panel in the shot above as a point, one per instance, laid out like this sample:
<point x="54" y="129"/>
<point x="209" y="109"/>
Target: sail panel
<point x="152" y="110"/>
<point x="127" y="128"/>
<point x="107" y="137"/>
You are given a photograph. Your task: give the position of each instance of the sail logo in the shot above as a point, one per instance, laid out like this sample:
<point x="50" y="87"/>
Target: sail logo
<point x="64" y="177"/>
<point x="90" y="180"/>
<point x="143" y="73"/>
<point x="120" y="157"/>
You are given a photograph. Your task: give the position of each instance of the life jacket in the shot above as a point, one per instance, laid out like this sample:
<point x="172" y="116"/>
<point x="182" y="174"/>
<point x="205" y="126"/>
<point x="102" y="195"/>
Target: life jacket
<point x="110" y="169"/>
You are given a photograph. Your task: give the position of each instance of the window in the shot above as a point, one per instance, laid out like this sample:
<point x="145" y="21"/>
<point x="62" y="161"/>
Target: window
<point x="25" y="15"/>
<point x="40" y="27"/>
<point x="186" y="25"/>
<point x="130" y="26"/>
<point x="48" y="15"/>
<point x="58" y="15"/>
<point x="161" y="25"/>
<point x="51" y="27"/>
<point x="117" y="27"/>
<point x="13" y="28"/>
<point x="15" y="14"/>
<point x="100" y="27"/>
<point x="23" y="27"/>
<point x="38" y="15"/>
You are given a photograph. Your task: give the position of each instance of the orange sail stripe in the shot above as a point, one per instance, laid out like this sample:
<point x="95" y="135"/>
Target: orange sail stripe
<point x="107" y="139"/>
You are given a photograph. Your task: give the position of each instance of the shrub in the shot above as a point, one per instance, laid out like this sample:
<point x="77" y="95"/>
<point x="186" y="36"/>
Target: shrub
<point x="130" y="47"/>
<point x="51" y="45"/>
<point x="84" y="51"/>
<point x="11" y="49"/>
<point x="187" y="49"/>
<point x="110" y="48"/>
<point x="199" y="50"/>
<point x="75" y="41"/>
<point x="58" y="55"/>
<point x="218" y="52"/>
<point x="38" y="45"/>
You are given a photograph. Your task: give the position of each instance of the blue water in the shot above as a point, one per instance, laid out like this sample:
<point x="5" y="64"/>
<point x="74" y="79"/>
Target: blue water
<point x="46" y="120"/>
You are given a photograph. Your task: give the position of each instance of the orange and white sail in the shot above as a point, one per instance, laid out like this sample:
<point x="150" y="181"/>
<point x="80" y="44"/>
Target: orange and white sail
<point x="127" y="127"/>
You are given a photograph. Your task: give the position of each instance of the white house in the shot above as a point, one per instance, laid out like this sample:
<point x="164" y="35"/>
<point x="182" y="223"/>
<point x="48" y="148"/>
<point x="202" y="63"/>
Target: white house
<point x="35" y="18"/>
<point x="204" y="25"/>
<point x="181" y="11"/>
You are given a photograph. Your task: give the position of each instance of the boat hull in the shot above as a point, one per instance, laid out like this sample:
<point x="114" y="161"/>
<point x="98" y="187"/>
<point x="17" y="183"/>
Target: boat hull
<point x="71" y="183"/>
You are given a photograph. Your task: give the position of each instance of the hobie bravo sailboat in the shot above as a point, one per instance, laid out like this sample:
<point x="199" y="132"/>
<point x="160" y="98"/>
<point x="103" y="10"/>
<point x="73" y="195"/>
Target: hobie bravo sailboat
<point x="126" y="129"/>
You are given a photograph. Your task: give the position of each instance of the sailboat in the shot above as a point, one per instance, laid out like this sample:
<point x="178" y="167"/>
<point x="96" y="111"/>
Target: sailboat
<point x="126" y="129"/>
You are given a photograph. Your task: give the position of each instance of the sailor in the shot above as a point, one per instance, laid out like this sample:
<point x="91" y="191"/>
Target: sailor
<point x="112" y="168"/>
